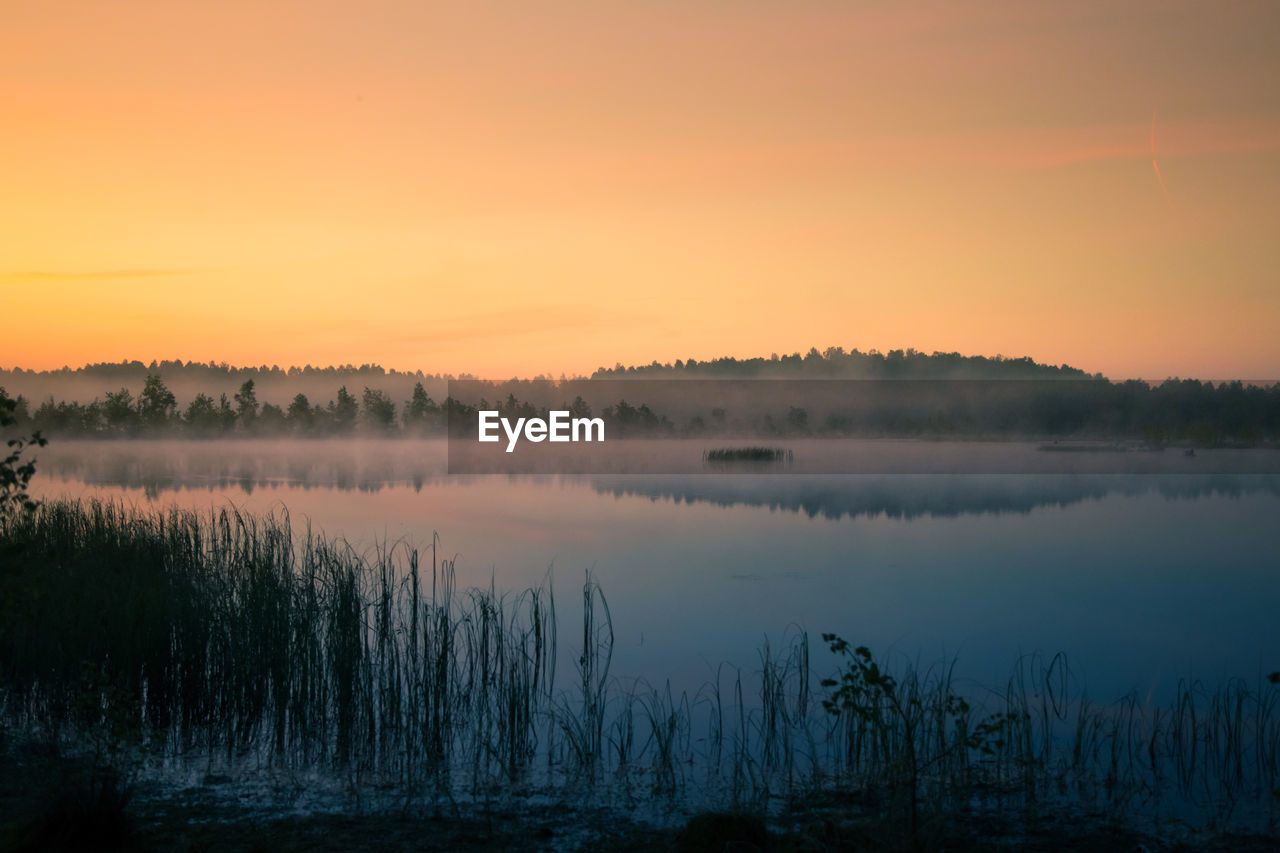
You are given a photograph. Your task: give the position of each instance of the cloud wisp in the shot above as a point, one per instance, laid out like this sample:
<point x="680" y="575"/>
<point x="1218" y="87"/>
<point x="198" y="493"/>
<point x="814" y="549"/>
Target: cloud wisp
<point x="78" y="275"/>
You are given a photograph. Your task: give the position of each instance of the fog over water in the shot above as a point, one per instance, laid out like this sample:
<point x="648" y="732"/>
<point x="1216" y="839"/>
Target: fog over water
<point x="1139" y="578"/>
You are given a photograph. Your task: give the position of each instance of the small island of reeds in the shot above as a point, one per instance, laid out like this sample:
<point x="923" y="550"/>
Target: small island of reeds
<point x="752" y="455"/>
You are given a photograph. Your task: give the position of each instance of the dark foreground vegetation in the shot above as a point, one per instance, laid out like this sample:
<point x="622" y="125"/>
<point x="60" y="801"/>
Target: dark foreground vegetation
<point x="142" y="646"/>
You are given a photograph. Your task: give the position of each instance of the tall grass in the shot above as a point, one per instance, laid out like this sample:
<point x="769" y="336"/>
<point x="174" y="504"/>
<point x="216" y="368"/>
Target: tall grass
<point x="220" y="633"/>
<point x="222" y="638"/>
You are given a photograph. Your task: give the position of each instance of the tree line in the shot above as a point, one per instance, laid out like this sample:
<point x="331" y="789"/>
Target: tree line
<point x="836" y="362"/>
<point x="155" y="412"/>
<point x="175" y="368"/>
<point x="1184" y="411"/>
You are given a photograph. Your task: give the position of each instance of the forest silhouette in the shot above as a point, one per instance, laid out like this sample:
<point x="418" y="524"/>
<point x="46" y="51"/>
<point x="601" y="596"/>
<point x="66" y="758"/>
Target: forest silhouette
<point x="933" y="395"/>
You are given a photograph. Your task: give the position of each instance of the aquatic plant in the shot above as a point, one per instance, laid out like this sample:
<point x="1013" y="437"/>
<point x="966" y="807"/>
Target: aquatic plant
<point x="181" y="639"/>
<point x="767" y="455"/>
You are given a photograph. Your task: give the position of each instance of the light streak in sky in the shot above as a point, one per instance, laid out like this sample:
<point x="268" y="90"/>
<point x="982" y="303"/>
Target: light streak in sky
<point x="1156" y="165"/>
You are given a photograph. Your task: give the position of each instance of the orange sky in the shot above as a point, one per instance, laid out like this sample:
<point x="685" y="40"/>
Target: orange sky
<point x="518" y="188"/>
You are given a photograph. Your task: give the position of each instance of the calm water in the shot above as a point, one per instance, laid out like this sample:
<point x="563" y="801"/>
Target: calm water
<point x="1139" y="579"/>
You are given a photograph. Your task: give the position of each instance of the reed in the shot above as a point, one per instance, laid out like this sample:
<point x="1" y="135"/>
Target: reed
<point x="758" y="455"/>
<point x="224" y="639"/>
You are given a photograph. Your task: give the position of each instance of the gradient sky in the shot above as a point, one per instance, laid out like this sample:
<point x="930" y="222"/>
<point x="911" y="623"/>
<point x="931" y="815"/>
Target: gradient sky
<point x="518" y="188"/>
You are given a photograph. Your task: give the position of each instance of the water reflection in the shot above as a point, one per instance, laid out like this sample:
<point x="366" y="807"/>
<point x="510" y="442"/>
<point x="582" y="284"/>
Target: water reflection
<point x="917" y="495"/>
<point x="159" y="467"/>
<point x="1140" y="579"/>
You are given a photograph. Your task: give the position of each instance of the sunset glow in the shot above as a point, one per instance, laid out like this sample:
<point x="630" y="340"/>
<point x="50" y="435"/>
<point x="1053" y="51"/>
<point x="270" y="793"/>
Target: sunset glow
<point x="540" y="187"/>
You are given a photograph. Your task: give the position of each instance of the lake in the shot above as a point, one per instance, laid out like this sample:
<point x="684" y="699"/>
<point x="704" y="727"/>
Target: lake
<point x="1140" y="579"/>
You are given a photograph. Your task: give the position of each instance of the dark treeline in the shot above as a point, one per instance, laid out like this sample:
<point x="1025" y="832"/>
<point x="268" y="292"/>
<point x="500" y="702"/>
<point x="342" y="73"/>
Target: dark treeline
<point x="815" y="364"/>
<point x="155" y="413"/>
<point x="279" y="385"/>
<point x="1184" y="411"/>
<point x="1191" y="411"/>
<point x="126" y="370"/>
<point x="949" y="395"/>
<point x="835" y="362"/>
<point x="272" y="384"/>
<point x="622" y="419"/>
<point x="1175" y="411"/>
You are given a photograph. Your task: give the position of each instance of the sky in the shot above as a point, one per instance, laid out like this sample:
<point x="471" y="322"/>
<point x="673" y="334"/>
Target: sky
<point x="547" y="187"/>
